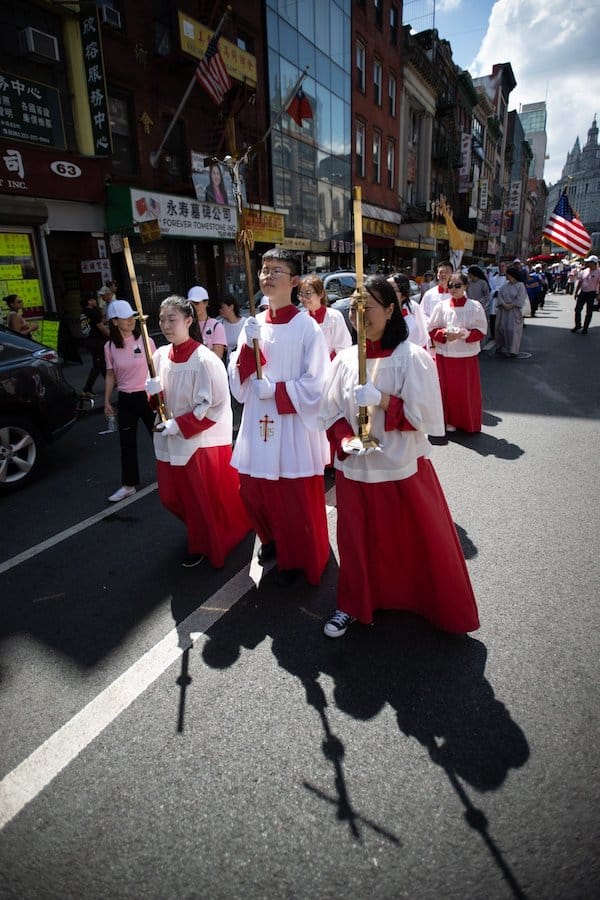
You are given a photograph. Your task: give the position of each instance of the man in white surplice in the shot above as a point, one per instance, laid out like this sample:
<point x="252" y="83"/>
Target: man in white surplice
<point x="280" y="453"/>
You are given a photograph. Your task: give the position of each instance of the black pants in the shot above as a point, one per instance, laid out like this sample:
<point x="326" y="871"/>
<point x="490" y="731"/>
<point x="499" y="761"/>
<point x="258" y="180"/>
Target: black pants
<point x="132" y="408"/>
<point x="584" y="298"/>
<point x="98" y="366"/>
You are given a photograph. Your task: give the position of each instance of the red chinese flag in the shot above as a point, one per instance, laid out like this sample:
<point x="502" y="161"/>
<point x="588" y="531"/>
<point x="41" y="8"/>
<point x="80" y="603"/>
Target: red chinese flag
<point x="299" y="108"/>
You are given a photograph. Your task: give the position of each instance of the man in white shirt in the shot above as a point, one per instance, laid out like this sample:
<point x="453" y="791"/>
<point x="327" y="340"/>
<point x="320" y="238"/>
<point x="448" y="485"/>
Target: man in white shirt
<point x="586" y="291"/>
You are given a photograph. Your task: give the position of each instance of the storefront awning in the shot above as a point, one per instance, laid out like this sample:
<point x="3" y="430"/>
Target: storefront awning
<point x="23" y="211"/>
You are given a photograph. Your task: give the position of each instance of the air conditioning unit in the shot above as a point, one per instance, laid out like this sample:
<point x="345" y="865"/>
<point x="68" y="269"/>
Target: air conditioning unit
<point x="110" y="16"/>
<point x="38" y="44"/>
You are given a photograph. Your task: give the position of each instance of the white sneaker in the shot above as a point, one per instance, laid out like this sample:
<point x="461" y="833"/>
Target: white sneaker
<point x="338" y="624"/>
<point x="121" y="494"/>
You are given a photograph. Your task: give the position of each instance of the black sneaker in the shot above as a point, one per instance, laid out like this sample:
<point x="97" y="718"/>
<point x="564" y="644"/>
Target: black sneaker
<point x="191" y="560"/>
<point x="576" y="329"/>
<point x="338" y="624"/>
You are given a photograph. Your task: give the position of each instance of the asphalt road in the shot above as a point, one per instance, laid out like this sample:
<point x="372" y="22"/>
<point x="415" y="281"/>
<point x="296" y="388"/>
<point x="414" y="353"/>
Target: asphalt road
<point x="172" y="733"/>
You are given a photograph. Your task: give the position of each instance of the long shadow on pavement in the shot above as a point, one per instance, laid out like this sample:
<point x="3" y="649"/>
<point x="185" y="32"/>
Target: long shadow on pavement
<point x="434" y="682"/>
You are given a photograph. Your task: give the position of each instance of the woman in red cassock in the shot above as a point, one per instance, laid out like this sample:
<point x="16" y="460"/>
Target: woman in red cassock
<point x="456" y="328"/>
<point x="397" y="542"/>
<point x="195" y="479"/>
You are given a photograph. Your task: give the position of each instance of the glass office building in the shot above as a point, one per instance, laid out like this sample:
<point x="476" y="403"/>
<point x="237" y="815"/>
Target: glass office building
<point x="311" y="163"/>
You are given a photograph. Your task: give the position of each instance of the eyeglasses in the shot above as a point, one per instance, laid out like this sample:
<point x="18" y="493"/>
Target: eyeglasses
<point x="305" y="293"/>
<point x="273" y="273"/>
<point x="455" y="284"/>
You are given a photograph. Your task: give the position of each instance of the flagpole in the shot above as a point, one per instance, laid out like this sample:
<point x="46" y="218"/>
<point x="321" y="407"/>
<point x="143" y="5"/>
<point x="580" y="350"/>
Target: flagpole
<point x="283" y="109"/>
<point x="156" y="154"/>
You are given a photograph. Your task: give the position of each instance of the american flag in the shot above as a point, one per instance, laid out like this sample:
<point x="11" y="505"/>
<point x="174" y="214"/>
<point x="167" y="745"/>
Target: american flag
<point x="211" y="72"/>
<point x="566" y="230"/>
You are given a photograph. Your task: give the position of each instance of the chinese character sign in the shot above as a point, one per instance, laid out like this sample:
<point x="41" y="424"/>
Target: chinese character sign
<point x="184" y="217"/>
<point x="30" y="111"/>
<point x="514" y="196"/>
<point x="96" y="84"/>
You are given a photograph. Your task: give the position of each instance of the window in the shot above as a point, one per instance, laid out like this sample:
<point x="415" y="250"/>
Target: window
<point x="378" y="13"/>
<point x="394" y="24"/>
<point x="361" y="55"/>
<point x="391" y="163"/>
<point x="377" y="158"/>
<point x="360" y="149"/>
<point x="119" y="111"/>
<point x="392" y="95"/>
<point x="163" y="37"/>
<point x="377" y="78"/>
<point x="245" y="42"/>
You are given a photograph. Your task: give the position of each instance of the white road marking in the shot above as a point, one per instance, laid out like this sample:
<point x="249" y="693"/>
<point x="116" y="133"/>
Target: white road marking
<point x="74" y="529"/>
<point x="23" y="784"/>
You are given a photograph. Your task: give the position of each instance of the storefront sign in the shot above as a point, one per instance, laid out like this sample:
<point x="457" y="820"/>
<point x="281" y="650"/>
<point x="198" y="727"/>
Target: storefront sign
<point x="465" y="169"/>
<point x="514" y="196"/>
<point x="96" y="84"/>
<point x="150" y="231"/>
<point x="194" y="39"/>
<point x="300" y="245"/>
<point x="91" y="266"/>
<point x="50" y="173"/>
<point x="28" y="289"/>
<point x="30" y="111"/>
<point x="182" y="216"/>
<point x="377" y="226"/>
<point x="483" y="193"/>
<point x="48" y="334"/>
<point x="266" y="227"/>
<point x="495" y="218"/>
<point x="14" y="271"/>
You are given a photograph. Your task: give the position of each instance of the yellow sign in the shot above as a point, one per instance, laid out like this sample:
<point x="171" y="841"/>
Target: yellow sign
<point x="29" y="290"/>
<point x="294" y="243"/>
<point x="14" y="244"/>
<point x="266" y="227"/>
<point x="150" y="231"/>
<point x="194" y="39"/>
<point x="378" y="226"/>
<point x="15" y="271"/>
<point x="48" y="334"/>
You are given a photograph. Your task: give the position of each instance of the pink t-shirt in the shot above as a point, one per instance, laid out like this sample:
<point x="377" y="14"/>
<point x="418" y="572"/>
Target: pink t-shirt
<point x="128" y="363"/>
<point x="212" y="333"/>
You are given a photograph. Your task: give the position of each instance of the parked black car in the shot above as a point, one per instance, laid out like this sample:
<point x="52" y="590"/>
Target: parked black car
<point x="37" y="405"/>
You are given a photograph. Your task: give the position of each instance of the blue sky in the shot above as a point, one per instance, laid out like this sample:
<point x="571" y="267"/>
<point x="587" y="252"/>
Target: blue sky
<point x="551" y="46"/>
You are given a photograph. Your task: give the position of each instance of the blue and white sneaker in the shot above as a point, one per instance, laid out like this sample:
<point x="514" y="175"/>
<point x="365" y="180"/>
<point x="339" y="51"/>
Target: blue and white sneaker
<point x="338" y="624"/>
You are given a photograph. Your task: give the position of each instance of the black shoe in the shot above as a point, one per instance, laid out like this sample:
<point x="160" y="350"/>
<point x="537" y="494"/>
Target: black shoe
<point x="191" y="560"/>
<point x="266" y="552"/>
<point x="577" y="328"/>
<point x="286" y="577"/>
<point x="584" y="330"/>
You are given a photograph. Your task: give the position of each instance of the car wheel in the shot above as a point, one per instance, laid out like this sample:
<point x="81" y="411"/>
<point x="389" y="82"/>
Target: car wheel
<point x="20" y="452"/>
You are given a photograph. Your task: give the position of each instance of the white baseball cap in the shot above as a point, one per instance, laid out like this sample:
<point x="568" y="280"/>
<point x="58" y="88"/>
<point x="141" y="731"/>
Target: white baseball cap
<point x="591" y="259"/>
<point x="120" y="309"/>
<point x="197" y="293"/>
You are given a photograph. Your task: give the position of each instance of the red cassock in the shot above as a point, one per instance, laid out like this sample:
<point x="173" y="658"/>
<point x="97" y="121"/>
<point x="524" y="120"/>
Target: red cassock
<point x="280" y="453"/>
<point x="404" y="553"/>
<point x="398" y="545"/>
<point x="196" y="481"/>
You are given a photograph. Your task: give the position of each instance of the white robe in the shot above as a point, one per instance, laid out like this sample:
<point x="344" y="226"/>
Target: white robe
<point x="269" y="444"/>
<point x="469" y="316"/>
<point x="410" y="374"/>
<point x="417" y="324"/>
<point x="198" y="385"/>
<point x="430" y="300"/>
